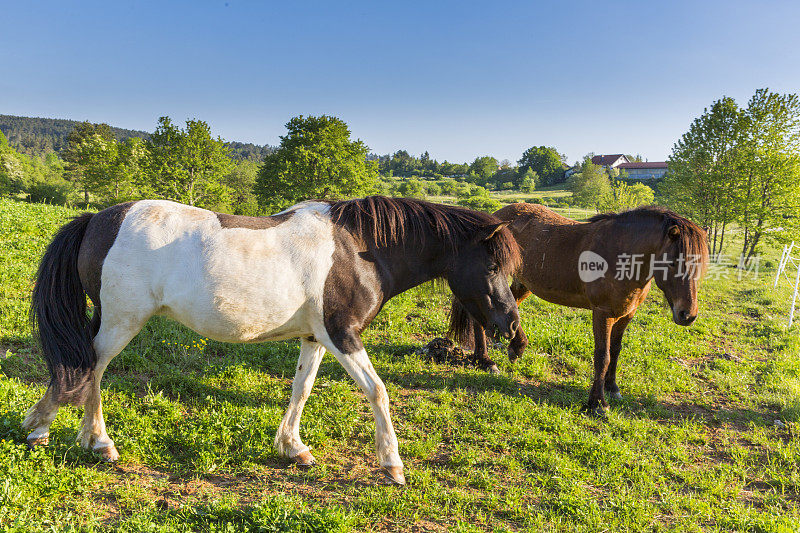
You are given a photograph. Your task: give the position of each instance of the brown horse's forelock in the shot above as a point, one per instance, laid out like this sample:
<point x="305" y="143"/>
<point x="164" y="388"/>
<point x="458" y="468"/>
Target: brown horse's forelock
<point x="383" y="221"/>
<point x="692" y="242"/>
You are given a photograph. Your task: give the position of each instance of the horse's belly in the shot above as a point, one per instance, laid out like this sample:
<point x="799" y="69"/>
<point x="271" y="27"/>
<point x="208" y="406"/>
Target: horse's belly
<point x="239" y="302"/>
<point x="229" y="319"/>
<point x="567" y="299"/>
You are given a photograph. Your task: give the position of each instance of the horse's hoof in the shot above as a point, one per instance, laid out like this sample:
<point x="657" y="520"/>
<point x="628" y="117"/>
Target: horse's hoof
<point x="494" y="370"/>
<point x="108" y="454"/>
<point x="513" y="355"/>
<point x="614" y="395"/>
<point x="393" y="475"/>
<point x="33" y="442"/>
<point x="304" y="459"/>
<point x="597" y="411"/>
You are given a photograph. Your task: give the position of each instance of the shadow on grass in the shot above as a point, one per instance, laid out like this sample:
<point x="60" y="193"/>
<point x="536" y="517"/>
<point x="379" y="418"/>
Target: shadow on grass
<point x="184" y="383"/>
<point x="279" y="360"/>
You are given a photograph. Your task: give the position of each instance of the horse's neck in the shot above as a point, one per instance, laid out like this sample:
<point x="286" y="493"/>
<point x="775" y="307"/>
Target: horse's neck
<point x="410" y="265"/>
<point x="638" y="242"/>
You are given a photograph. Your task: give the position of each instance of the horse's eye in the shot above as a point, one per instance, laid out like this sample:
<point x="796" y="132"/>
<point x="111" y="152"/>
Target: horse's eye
<point x="494" y="269"/>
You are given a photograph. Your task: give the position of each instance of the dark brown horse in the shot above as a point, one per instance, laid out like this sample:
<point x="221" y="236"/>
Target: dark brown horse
<point x="607" y="265"/>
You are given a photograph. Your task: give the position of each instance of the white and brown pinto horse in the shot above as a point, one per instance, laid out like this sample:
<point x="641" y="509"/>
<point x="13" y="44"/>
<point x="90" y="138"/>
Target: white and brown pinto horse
<point x="319" y="271"/>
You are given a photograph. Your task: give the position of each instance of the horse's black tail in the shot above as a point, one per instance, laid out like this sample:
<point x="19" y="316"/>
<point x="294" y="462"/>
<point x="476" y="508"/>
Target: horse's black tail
<point x="461" y="325"/>
<point x="59" y="316"/>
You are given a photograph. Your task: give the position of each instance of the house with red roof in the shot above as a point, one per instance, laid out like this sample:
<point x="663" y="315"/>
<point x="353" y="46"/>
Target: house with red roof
<point x="639" y="170"/>
<point x="647" y="170"/>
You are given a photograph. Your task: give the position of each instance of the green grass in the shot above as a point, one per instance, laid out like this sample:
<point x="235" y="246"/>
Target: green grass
<point x="552" y="192"/>
<point x="692" y="447"/>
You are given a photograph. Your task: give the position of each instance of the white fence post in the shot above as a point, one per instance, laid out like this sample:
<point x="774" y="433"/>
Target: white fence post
<point x="780" y="266"/>
<point x="794" y="296"/>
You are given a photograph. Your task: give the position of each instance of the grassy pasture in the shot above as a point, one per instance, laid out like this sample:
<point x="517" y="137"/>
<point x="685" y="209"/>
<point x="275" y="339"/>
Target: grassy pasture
<point x="694" y="445"/>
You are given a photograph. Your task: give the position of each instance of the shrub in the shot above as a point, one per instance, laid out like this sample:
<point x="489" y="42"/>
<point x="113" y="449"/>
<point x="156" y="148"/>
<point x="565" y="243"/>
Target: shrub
<point x="49" y="192"/>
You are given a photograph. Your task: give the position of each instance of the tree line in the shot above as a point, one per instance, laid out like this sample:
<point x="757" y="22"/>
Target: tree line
<point x="739" y="168"/>
<point x="539" y="165"/>
<point x="36" y="136"/>
<point x="316" y="158"/>
<point x="735" y="168"/>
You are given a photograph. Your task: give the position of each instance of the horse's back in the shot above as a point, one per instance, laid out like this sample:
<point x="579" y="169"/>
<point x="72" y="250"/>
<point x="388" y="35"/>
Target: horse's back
<point x="532" y="212"/>
<point x="550" y="244"/>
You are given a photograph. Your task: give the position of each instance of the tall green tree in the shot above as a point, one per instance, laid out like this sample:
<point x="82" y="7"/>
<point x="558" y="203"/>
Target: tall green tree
<point x="241" y="179"/>
<point x="545" y="161"/>
<point x="484" y="168"/>
<point x="704" y="168"/>
<point x="189" y="165"/>
<point x="79" y="159"/>
<point x="769" y="169"/>
<point x="130" y="171"/>
<point x="98" y="157"/>
<point x="315" y="159"/>
<point x="590" y="185"/>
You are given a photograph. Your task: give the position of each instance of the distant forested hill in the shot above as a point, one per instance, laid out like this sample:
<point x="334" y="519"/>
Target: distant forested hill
<point x="41" y="136"/>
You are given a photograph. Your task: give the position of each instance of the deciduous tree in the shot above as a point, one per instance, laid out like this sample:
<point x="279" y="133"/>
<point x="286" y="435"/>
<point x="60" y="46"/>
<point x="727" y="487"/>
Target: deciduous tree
<point x="188" y="165"/>
<point x="768" y="165"/>
<point x="545" y="161"/>
<point x="703" y="172"/>
<point x="315" y="159"/>
<point x="590" y="185"/>
<point x="484" y="167"/>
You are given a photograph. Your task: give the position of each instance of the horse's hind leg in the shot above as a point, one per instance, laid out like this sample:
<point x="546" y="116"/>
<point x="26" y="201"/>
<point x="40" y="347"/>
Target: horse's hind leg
<point x="38" y="420"/>
<point x="287" y="439"/>
<point x="113" y="336"/>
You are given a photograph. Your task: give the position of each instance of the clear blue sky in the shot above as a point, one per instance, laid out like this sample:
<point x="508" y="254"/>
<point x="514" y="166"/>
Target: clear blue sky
<point x="459" y="79"/>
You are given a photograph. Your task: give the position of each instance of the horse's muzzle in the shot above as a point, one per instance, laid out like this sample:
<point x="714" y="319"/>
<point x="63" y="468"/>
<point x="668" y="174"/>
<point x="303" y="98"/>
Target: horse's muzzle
<point x="683" y="317"/>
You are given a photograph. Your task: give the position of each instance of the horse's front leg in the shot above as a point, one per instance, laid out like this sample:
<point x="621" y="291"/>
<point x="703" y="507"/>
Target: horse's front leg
<point x="617" y="331"/>
<point x="601" y="326"/>
<point x="287" y="439"/>
<point x="358" y="365"/>
<point x="520" y="341"/>
<point x="481" y="354"/>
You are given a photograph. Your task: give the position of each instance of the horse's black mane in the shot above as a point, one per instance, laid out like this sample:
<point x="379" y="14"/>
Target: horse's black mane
<point x="383" y="221"/>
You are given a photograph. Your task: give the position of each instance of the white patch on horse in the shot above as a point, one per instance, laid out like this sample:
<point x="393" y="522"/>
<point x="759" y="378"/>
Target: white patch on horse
<point x="229" y="284"/>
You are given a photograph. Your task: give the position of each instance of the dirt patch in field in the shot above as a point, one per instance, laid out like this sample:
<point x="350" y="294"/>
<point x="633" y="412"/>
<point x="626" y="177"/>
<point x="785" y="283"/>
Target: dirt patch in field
<point x="444" y="352"/>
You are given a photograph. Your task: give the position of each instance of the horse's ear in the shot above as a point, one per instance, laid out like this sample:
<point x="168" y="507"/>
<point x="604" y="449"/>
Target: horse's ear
<point x="492" y="229"/>
<point x="673" y="232"/>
